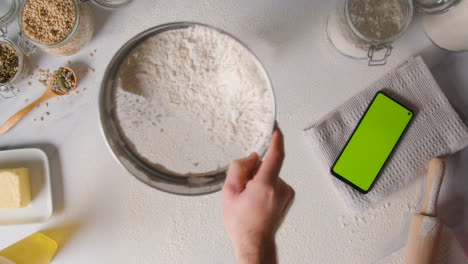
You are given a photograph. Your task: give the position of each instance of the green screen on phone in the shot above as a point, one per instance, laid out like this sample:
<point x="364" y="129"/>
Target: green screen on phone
<point x="372" y="142"/>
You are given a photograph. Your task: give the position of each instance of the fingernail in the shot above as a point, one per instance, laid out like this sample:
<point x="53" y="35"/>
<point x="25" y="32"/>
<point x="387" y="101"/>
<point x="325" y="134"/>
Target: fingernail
<point x="253" y="155"/>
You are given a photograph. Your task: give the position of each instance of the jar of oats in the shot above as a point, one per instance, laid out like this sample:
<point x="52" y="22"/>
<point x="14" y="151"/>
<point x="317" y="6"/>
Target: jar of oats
<point x="61" y="27"/>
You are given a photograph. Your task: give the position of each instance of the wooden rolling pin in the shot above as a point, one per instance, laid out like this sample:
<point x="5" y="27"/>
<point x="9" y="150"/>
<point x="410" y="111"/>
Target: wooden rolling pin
<point x="424" y="236"/>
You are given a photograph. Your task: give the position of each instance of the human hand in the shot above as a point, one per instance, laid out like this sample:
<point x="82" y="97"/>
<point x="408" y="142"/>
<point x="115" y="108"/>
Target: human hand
<point x="255" y="201"/>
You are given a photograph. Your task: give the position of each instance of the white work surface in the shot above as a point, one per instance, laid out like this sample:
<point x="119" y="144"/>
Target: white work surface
<point x="104" y="215"/>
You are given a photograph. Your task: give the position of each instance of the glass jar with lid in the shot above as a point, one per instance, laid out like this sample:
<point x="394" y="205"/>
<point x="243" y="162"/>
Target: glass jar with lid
<point x="444" y="23"/>
<point x="78" y="36"/>
<point x="111" y="3"/>
<point x="360" y="29"/>
<point x="32" y="35"/>
<point x="15" y="64"/>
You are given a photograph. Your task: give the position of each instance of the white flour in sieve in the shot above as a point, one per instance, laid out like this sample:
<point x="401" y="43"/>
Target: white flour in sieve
<point x="191" y="100"/>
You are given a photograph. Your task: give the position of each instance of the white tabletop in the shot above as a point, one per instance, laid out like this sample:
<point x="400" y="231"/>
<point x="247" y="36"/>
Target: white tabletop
<point x="105" y="215"/>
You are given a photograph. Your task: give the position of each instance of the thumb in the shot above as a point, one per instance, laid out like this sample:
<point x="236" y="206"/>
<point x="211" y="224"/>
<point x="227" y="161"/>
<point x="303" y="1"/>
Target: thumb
<point x="239" y="172"/>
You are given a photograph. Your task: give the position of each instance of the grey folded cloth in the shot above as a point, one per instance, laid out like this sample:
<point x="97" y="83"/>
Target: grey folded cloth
<point x="436" y="130"/>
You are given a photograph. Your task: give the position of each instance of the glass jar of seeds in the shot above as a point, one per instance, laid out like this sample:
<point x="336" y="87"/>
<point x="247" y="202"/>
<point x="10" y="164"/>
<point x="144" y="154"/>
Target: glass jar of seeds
<point x="14" y="66"/>
<point x="61" y="27"/>
<point x="360" y="29"/>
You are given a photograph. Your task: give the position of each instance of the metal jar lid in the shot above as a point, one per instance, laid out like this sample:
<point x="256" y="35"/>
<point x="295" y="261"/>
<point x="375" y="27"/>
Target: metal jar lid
<point x="434" y="7"/>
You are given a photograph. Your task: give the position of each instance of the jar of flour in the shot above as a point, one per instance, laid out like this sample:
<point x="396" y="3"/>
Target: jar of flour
<point x="365" y="29"/>
<point x="441" y="21"/>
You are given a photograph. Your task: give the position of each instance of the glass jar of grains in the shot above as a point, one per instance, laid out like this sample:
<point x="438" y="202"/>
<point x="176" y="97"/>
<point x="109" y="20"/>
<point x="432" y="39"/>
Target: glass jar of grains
<point x="14" y="65"/>
<point x="361" y="28"/>
<point x="61" y="27"/>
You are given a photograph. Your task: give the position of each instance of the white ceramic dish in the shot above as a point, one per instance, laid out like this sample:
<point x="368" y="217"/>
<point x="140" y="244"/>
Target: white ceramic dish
<point x="40" y="209"/>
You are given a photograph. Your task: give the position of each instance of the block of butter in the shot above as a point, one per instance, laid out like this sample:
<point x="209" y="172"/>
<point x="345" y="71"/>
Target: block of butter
<point x="15" y="191"/>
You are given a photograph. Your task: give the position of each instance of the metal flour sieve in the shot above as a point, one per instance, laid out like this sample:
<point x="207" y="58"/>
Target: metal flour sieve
<point x="124" y="154"/>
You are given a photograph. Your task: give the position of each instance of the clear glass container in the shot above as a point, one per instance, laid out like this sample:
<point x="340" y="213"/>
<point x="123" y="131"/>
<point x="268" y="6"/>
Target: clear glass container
<point x="349" y="40"/>
<point x="120" y="147"/>
<point x="79" y="36"/>
<point x="447" y="28"/>
<point x="434" y="6"/>
<point x="112" y="3"/>
<point x="8" y="11"/>
<point x="6" y="89"/>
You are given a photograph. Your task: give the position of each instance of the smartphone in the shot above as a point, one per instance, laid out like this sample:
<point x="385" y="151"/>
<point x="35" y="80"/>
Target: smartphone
<point x="372" y="142"/>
